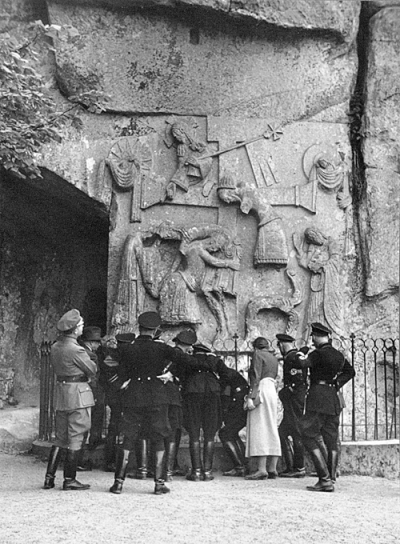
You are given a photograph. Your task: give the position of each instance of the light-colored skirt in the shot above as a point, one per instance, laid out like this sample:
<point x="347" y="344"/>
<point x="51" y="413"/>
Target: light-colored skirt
<point x="262" y="436"/>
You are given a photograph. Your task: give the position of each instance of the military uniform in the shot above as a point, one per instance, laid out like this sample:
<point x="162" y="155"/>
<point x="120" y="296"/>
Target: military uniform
<point x="201" y="393"/>
<point x="146" y="399"/>
<point x="93" y="334"/>
<point x="292" y="396"/>
<point x="74" y="399"/>
<point x="234" y="418"/>
<point x="110" y="382"/>
<point x="329" y="371"/>
<point x="175" y="417"/>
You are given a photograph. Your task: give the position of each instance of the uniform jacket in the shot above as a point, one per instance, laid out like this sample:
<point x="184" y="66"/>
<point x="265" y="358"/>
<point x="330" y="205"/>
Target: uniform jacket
<point x="294" y="378"/>
<point x="98" y="391"/>
<point x="68" y="358"/>
<point x="237" y="387"/>
<point x="204" y="380"/>
<point x="108" y="376"/>
<point x="142" y="362"/>
<point x="329" y="365"/>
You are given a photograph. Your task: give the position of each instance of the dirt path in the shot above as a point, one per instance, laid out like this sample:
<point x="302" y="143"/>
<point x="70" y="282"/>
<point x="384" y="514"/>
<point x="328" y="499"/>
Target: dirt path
<point x="228" y="510"/>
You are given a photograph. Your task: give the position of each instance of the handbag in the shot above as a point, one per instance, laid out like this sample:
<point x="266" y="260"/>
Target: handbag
<point x="256" y="400"/>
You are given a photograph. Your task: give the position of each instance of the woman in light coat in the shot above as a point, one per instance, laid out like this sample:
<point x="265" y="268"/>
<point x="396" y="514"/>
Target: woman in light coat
<point x="262" y="439"/>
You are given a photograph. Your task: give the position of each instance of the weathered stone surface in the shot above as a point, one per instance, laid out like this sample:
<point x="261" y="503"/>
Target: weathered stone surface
<point x="381" y="153"/>
<point x="147" y="62"/>
<point x="373" y="458"/>
<point x="277" y="173"/>
<point x="373" y="6"/>
<point x="337" y="17"/>
<point x="18" y="429"/>
<point x="13" y="12"/>
<point x="383" y="237"/>
<point x="341" y="18"/>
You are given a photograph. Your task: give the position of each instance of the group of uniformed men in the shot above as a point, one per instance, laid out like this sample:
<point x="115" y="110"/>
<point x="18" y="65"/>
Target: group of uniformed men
<point x="154" y="389"/>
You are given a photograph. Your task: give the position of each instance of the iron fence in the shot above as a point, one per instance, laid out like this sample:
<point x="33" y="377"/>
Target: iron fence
<point x="372" y="398"/>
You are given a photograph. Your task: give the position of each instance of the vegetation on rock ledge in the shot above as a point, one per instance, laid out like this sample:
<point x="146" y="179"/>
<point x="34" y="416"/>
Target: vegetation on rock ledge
<point x="29" y="116"/>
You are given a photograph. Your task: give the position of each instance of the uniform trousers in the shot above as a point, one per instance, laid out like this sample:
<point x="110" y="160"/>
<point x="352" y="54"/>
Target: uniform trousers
<point x="293" y="406"/>
<point x="153" y="420"/>
<point x="234" y="421"/>
<point x="71" y="426"/>
<point x="98" y="410"/>
<point x="202" y="411"/>
<point x="316" y="424"/>
<point x="115" y="418"/>
<point x="175" y="417"/>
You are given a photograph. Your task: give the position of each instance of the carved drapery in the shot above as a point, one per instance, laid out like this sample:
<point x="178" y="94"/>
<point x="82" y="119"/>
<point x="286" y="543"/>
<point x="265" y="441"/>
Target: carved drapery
<point x="204" y="264"/>
<point x="271" y="246"/>
<point x="130" y="162"/>
<point x="319" y="254"/>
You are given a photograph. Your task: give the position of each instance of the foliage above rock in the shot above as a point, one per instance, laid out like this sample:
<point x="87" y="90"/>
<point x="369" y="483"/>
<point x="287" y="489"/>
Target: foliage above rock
<point x="29" y="115"/>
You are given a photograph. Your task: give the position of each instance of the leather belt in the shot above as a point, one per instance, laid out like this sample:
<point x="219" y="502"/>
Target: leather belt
<point x="72" y="379"/>
<point x="324" y="382"/>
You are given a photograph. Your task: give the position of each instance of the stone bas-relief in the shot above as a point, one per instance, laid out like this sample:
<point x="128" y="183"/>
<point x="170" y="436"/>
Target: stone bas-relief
<point x="320" y="255"/>
<point x="193" y="167"/>
<point x="154" y="66"/>
<point x="130" y="161"/>
<point x="271" y="247"/>
<point x="230" y="274"/>
<point x="202" y="261"/>
<point x="284" y="304"/>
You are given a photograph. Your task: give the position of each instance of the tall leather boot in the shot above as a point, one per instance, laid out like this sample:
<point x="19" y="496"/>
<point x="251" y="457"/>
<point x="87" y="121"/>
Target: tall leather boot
<point x="70" y="464"/>
<point x="109" y="454"/>
<point x="287" y="454"/>
<point x="169" y="461"/>
<point x="81" y="466"/>
<point x="324" y="450"/>
<point x="160" y="488"/>
<point x="142" y="459"/>
<point x="298" y="454"/>
<point x="235" y="455"/>
<point x="195" y="474"/>
<point x="333" y="458"/>
<point x="324" y="479"/>
<point x="120" y="471"/>
<point x="241" y="448"/>
<point x="208" y="458"/>
<point x="322" y="447"/>
<point x="177" y="469"/>
<point x="52" y="465"/>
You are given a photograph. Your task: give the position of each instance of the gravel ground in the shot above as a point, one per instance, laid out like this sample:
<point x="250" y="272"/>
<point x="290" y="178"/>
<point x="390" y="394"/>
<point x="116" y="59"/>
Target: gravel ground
<point x="362" y="510"/>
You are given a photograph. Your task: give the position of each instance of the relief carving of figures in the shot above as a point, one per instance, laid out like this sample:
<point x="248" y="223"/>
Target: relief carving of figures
<point x="319" y="254"/>
<point x="130" y="161"/>
<point x="191" y="167"/>
<point x="271" y="246"/>
<point x="202" y="261"/>
<point x="325" y="166"/>
<point x="275" y="302"/>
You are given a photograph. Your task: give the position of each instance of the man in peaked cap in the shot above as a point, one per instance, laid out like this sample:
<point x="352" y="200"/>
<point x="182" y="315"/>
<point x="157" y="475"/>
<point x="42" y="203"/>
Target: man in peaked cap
<point x="74" y="398"/>
<point x="185" y="339"/>
<point x="292" y="396"/>
<point x="329" y="371"/>
<point x="145" y="400"/>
